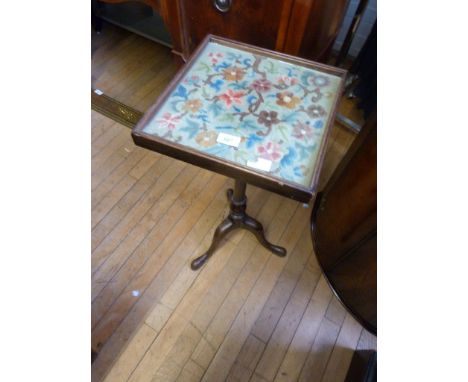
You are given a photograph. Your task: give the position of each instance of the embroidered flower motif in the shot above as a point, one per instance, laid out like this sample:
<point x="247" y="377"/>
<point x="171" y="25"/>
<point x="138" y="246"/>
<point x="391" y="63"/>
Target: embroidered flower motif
<point x="287" y="80"/>
<point x="215" y="57"/>
<point x="233" y="74"/>
<point x="315" y="111"/>
<point x="231" y="97"/>
<point x="192" y="105"/>
<point x="302" y="131"/>
<point x="268" y="118"/>
<point x="168" y="121"/>
<point x="192" y="80"/>
<point x="320" y="81"/>
<point x="261" y="85"/>
<point x="206" y="138"/>
<point x="287" y="99"/>
<point x="270" y="151"/>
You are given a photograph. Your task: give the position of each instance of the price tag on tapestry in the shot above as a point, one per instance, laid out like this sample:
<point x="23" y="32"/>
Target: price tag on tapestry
<point x="228" y="139"/>
<point x="260" y="164"/>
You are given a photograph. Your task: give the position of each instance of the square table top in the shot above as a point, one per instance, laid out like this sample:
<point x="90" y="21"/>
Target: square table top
<point x="248" y="113"/>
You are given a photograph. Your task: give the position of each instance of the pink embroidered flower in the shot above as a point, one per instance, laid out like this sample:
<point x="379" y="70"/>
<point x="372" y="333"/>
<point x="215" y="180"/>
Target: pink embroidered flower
<point x="261" y="85"/>
<point x="192" y="80"/>
<point x="168" y="121"/>
<point x="231" y="97"/>
<point x="302" y="131"/>
<point x="287" y="80"/>
<point x="271" y="151"/>
<point x="214" y="57"/>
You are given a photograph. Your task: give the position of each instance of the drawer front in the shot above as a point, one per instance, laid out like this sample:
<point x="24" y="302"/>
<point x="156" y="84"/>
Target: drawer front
<point x="251" y="21"/>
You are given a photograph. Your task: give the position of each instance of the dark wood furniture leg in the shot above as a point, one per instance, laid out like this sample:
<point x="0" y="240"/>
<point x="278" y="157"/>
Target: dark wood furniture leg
<point x="237" y="218"/>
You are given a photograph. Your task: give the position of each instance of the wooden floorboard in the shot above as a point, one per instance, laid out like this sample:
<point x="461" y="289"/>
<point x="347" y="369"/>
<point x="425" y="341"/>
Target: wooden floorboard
<point x="247" y="315"/>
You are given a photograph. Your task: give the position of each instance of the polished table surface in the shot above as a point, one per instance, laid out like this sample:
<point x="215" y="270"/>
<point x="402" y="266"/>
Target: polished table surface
<point x="248" y="113"/>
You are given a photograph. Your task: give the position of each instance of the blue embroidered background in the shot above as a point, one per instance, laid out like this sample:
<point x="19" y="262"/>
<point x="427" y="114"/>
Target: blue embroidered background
<point x="278" y="109"/>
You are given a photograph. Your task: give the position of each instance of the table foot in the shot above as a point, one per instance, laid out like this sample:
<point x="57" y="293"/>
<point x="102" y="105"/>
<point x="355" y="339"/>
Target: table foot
<point x="256" y="228"/>
<point x="223" y="229"/>
<point x="237" y="218"/>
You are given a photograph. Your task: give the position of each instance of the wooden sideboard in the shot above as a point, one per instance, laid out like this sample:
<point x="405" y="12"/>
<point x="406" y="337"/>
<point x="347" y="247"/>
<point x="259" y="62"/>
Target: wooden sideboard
<point x="305" y="28"/>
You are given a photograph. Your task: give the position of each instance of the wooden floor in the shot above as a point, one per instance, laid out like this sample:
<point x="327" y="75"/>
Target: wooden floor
<point x="247" y="315"/>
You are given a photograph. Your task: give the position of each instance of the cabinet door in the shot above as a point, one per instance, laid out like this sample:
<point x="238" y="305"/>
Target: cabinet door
<point x="257" y="22"/>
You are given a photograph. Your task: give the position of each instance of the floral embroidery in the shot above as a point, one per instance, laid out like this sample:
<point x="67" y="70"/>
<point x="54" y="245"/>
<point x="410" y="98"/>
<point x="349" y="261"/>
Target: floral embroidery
<point x="268" y="118"/>
<point x="192" y="105"/>
<point x="279" y="110"/>
<point x="206" y="138"/>
<point x="192" y="80"/>
<point x="287" y="80"/>
<point x="261" y="86"/>
<point x="168" y="121"/>
<point x="287" y="99"/>
<point x="320" y="81"/>
<point x="302" y="131"/>
<point x="231" y="97"/>
<point x="316" y="111"/>
<point x="214" y="57"/>
<point x="270" y="151"/>
<point x="233" y="74"/>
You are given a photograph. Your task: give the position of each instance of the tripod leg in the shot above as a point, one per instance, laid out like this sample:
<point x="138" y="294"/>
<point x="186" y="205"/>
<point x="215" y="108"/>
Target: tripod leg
<point x="223" y="229"/>
<point x="256" y="228"/>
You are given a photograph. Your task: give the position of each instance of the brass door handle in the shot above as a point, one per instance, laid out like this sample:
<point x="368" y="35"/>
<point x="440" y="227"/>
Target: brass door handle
<point x="222" y="5"/>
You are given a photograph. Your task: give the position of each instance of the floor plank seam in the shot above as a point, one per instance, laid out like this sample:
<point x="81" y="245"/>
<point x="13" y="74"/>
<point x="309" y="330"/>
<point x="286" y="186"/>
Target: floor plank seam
<point x="127" y="259"/>
<point x="140" y="199"/>
<point x="142" y="292"/>
<point x="146" y="235"/>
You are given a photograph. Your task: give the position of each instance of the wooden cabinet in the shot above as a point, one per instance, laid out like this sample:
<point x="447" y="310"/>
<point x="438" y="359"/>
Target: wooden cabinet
<point x="257" y="22"/>
<point x="305" y="28"/>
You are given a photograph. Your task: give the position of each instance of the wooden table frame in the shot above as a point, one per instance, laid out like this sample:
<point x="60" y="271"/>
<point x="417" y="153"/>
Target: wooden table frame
<point x="242" y="174"/>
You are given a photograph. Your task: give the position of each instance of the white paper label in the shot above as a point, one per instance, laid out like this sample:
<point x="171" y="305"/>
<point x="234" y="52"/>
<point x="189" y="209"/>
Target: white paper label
<point x="260" y="164"/>
<point x="98" y="92"/>
<point x="228" y="139"/>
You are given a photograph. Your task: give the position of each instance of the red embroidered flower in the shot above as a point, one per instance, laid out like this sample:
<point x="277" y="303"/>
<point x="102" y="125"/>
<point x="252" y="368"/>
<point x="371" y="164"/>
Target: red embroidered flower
<point x="271" y="151"/>
<point x="287" y="80"/>
<point x="261" y="85"/>
<point x="231" y="97"/>
<point x="168" y="121"/>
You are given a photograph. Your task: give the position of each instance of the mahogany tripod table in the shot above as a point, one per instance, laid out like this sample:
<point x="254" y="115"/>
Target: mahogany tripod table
<point x="255" y="115"/>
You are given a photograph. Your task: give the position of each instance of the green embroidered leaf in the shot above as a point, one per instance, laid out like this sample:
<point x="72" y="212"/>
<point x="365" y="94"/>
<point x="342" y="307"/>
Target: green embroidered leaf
<point x="202" y="67"/>
<point x="283" y="130"/>
<point x="205" y="93"/>
<point x="228" y="117"/>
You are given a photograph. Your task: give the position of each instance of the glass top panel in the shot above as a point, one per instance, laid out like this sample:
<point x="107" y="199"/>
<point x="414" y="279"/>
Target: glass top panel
<point x="250" y="109"/>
